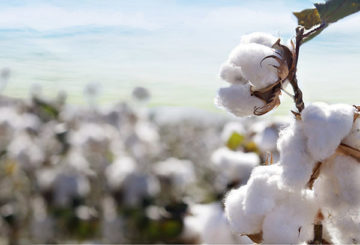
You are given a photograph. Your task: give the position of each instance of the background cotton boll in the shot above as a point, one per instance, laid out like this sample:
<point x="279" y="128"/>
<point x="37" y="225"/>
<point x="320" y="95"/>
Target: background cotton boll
<point x="290" y="222"/>
<point x="45" y="178"/>
<point x="241" y="222"/>
<point x="137" y="187"/>
<point x="262" y="38"/>
<point x="180" y="172"/>
<point x="236" y="166"/>
<point x="297" y="164"/>
<point x="353" y="139"/>
<point x="231" y="73"/>
<point x="116" y="172"/>
<point x="208" y="224"/>
<point x="76" y="161"/>
<point x="259" y="71"/>
<point x="238" y="100"/>
<point x="325" y="126"/>
<point x="146" y="132"/>
<point x="69" y="186"/>
<point x="267" y="139"/>
<point x="230" y="128"/>
<point x="26" y="151"/>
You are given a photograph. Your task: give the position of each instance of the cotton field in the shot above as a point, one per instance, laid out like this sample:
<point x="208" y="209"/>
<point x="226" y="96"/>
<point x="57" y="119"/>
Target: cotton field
<point x="123" y="174"/>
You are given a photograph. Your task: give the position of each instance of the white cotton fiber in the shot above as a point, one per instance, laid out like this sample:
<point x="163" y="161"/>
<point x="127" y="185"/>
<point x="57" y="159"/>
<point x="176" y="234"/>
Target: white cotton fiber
<point x="247" y="206"/>
<point x="235" y="165"/>
<point x="297" y="164"/>
<point x="240" y="221"/>
<point x="232" y="74"/>
<point x="353" y="139"/>
<point x="339" y="183"/>
<point x="325" y="126"/>
<point x="238" y="100"/>
<point x="209" y="224"/>
<point x="263" y="189"/>
<point x="343" y="225"/>
<point x="291" y="221"/>
<point x="266" y="139"/>
<point x="259" y="71"/>
<point x="262" y="38"/>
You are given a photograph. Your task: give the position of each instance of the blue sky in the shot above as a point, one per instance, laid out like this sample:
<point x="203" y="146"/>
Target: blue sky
<point x="173" y="47"/>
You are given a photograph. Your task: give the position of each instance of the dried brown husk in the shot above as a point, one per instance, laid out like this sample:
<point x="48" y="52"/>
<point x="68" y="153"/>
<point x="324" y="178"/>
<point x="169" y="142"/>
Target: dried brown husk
<point x="256" y="238"/>
<point x="271" y="94"/>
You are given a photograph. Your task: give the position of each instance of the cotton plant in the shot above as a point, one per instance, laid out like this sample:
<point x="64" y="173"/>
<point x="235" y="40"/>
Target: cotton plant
<point x="311" y="194"/>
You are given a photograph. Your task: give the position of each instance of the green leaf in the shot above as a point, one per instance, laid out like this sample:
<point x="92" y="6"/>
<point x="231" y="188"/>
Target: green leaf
<point x="308" y="18"/>
<point x="235" y="140"/>
<point x="334" y="10"/>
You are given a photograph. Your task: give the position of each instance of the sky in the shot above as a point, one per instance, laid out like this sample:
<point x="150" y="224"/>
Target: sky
<point x="172" y="47"/>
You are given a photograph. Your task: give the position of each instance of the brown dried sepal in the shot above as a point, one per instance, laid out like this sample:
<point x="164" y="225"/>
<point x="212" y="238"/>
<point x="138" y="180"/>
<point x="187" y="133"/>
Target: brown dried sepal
<point x="270" y="95"/>
<point x="346" y="150"/>
<point x="315" y="174"/>
<point x="256" y="238"/>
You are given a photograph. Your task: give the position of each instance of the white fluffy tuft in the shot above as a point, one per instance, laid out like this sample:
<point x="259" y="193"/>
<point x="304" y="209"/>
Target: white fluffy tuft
<point x="238" y="100"/>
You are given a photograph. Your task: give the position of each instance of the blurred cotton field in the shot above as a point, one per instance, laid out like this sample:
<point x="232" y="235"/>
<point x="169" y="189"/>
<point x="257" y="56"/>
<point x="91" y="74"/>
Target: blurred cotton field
<point x="122" y="174"/>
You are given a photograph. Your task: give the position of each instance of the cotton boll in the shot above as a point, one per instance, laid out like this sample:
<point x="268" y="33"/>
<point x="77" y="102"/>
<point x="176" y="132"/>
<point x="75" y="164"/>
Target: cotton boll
<point x="259" y="71"/>
<point x="264" y="189"/>
<point x="297" y="164"/>
<point x="353" y="139"/>
<point x="241" y="222"/>
<point x="230" y="128"/>
<point x="69" y="186"/>
<point x="232" y="74"/>
<point x="181" y="173"/>
<point x="291" y="221"/>
<point x="325" y="126"/>
<point x="235" y="165"/>
<point x="266" y="139"/>
<point x="116" y="172"/>
<point x="343" y="225"/>
<point x="340" y="183"/>
<point x="247" y="206"/>
<point x="262" y="38"/>
<point x="25" y="151"/>
<point x="138" y="186"/>
<point x="208" y="223"/>
<point x="237" y="100"/>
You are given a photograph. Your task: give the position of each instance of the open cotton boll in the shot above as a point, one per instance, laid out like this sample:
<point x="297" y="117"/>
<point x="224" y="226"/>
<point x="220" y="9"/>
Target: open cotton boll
<point x="208" y="224"/>
<point x="231" y="73"/>
<point x="353" y="139"/>
<point x="26" y="151"/>
<point x="247" y="206"/>
<point x="237" y="100"/>
<point x="259" y="71"/>
<point x="266" y="139"/>
<point x="264" y="189"/>
<point x="262" y="38"/>
<point x="240" y="221"/>
<point x="68" y="186"/>
<point x="297" y="164"/>
<point x="339" y="183"/>
<point x="180" y="172"/>
<point x="291" y="221"/>
<point x="235" y="165"/>
<point x="117" y="171"/>
<point x="326" y="126"/>
<point x="230" y="128"/>
<point x="343" y="225"/>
